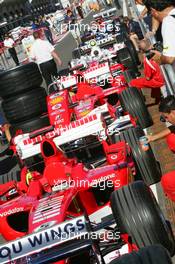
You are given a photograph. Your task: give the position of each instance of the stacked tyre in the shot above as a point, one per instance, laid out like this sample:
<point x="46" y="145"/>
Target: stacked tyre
<point x="24" y="100"/>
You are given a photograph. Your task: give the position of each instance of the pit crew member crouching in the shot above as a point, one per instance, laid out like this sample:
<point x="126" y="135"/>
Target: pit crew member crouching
<point x="167" y="110"/>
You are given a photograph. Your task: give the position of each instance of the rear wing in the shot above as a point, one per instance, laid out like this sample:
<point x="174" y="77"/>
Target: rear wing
<point x="28" y="145"/>
<point x="102" y="43"/>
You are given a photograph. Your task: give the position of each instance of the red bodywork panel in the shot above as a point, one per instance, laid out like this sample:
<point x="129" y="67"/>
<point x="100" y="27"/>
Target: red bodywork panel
<point x="59" y="203"/>
<point x="58" y="108"/>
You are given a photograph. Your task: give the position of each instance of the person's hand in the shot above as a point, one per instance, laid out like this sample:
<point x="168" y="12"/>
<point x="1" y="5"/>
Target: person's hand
<point x="7" y="132"/>
<point x="33" y="59"/>
<point x="156" y="52"/>
<point x="150" y="34"/>
<point x="6" y="126"/>
<point x="157" y="56"/>
<point x="150" y="138"/>
<point x="141" y="17"/>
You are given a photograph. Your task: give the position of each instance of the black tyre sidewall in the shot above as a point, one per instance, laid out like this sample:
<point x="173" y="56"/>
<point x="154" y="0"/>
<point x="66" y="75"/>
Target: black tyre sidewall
<point x="138" y="214"/>
<point x="19" y="79"/>
<point x="30" y="125"/>
<point x="147" y="165"/>
<point x="132" y="51"/>
<point x="133" y="102"/>
<point x="29" y="105"/>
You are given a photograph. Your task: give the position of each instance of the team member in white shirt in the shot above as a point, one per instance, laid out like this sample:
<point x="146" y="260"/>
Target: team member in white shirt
<point x="44" y="54"/>
<point x="164" y="12"/>
<point x="9" y="43"/>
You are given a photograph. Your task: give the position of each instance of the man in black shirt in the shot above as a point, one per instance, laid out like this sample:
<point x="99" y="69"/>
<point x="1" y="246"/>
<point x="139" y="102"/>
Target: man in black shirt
<point x="167" y="110"/>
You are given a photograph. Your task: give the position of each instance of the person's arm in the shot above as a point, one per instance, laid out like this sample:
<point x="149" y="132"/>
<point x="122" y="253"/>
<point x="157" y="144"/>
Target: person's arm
<point x="155" y="26"/>
<point x="148" y="69"/>
<point x="159" y="135"/>
<point x="7" y="132"/>
<point x="166" y="59"/>
<point x="56" y="57"/>
<point x="54" y="54"/>
<point x="162" y="59"/>
<point x="32" y="55"/>
<point x="143" y="13"/>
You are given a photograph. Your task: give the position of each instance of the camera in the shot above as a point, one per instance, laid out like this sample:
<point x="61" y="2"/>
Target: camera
<point x="157" y="46"/>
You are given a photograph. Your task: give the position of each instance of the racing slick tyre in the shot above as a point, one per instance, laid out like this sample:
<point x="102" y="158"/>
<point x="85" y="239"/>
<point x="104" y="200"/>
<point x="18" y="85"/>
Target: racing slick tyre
<point x="137" y="213"/>
<point x="133" y="52"/>
<point x="13" y="175"/>
<point x="126" y="59"/>
<point x="129" y="75"/>
<point x="19" y="79"/>
<point x="107" y="118"/>
<point x="148" y="255"/>
<point x="30" y="125"/>
<point x="146" y="165"/>
<point x="132" y="101"/>
<point x="77" y="53"/>
<point x="64" y="72"/>
<point x="28" y="105"/>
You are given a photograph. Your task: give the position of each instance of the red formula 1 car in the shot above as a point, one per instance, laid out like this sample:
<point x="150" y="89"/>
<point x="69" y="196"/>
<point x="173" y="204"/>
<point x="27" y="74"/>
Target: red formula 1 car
<point x="111" y="77"/>
<point x="81" y="138"/>
<point x="66" y="190"/>
<point x="112" y="36"/>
